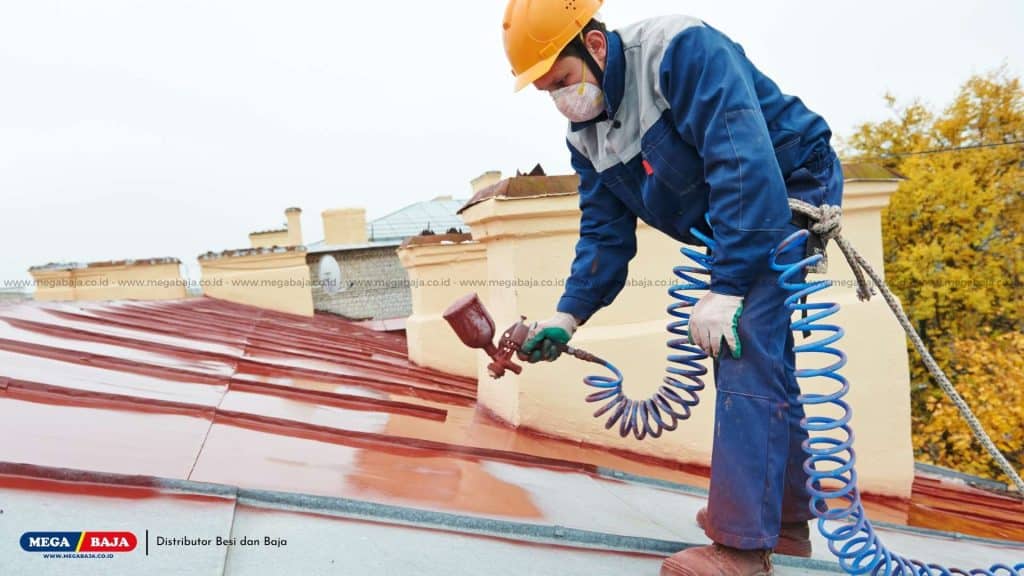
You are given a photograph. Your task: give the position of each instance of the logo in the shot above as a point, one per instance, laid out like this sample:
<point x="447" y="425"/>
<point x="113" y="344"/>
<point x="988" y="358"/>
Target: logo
<point x="78" y="541"/>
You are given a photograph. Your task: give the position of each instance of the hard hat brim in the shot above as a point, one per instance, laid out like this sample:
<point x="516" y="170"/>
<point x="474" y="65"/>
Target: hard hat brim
<point x="531" y="74"/>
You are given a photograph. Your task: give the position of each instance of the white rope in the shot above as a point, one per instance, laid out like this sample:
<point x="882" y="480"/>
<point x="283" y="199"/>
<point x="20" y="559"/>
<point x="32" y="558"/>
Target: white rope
<point x="827" y="224"/>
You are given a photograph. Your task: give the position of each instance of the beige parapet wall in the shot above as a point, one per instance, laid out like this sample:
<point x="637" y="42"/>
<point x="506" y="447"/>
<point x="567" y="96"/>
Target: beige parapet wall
<point x="147" y="279"/>
<point x="271" y="278"/>
<point x="433" y="264"/>
<point x="529" y="238"/>
<point x="53" y="282"/>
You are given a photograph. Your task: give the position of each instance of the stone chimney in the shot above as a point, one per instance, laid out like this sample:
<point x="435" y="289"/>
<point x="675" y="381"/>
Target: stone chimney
<point x="437" y="265"/>
<point x="294" y="216"/>
<point x="484" y="180"/>
<point x="345" y="226"/>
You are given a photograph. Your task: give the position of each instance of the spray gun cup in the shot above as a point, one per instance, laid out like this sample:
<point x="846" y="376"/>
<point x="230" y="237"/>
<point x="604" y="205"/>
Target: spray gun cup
<point x="471" y="323"/>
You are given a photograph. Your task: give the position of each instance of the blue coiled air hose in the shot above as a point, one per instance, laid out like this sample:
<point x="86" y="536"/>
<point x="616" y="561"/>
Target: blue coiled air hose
<point x="831" y="458"/>
<point x="679" y="392"/>
<point x="830" y="443"/>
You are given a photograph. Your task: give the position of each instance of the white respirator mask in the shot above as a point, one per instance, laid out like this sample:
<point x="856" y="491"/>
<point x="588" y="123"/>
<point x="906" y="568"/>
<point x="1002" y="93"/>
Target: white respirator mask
<point x="579" y="102"/>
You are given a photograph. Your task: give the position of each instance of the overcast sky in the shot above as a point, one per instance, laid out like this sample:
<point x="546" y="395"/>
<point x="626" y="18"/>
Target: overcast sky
<point x="135" y="129"/>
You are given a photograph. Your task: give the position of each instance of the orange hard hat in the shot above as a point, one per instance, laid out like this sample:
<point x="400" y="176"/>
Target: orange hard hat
<point x="536" y="31"/>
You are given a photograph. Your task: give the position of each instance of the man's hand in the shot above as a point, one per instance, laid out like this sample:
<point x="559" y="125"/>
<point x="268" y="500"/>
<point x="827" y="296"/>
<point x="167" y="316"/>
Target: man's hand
<point x="716" y="316"/>
<point x="546" y="339"/>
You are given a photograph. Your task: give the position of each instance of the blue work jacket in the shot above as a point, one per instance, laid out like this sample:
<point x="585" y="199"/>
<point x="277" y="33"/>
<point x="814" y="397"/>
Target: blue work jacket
<point x="691" y="127"/>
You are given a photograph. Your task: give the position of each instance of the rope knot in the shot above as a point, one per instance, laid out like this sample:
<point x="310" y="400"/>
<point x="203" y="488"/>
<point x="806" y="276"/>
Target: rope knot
<point x="828" y="223"/>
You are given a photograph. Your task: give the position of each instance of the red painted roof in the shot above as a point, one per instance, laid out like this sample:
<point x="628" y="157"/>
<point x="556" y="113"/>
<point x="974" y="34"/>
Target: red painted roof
<point x="211" y="391"/>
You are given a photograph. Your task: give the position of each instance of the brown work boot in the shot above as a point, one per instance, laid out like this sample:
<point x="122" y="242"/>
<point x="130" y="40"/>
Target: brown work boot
<point x="718" y="560"/>
<point x="794" y="537"/>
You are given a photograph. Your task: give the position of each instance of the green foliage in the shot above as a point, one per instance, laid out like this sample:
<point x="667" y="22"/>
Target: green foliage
<point x="954" y="245"/>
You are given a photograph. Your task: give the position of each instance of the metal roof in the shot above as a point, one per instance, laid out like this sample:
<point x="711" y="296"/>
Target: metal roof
<point x="526" y="187"/>
<point x="320" y="247"/>
<point x="438" y="215"/>
<point x="869" y="171"/>
<point x="201" y="417"/>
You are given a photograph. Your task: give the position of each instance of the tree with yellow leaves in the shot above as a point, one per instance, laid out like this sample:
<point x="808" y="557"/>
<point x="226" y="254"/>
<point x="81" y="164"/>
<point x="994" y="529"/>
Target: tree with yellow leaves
<point x="954" y="243"/>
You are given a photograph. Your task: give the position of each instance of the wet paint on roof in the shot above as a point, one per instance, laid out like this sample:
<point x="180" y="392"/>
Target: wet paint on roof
<point x="322" y="410"/>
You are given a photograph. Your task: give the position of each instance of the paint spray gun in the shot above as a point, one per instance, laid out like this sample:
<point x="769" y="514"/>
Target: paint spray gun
<point x="652" y="416"/>
<point x="475" y="327"/>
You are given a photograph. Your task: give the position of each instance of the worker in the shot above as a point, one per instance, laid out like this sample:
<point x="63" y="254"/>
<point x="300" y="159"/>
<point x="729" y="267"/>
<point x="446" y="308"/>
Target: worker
<point x="669" y="121"/>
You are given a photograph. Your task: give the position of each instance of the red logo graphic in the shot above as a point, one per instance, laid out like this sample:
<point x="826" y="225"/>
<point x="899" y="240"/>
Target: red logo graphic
<point x="108" y="542"/>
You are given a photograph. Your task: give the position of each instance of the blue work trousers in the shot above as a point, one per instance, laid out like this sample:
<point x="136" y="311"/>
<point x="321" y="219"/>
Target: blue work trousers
<point x="757" y="476"/>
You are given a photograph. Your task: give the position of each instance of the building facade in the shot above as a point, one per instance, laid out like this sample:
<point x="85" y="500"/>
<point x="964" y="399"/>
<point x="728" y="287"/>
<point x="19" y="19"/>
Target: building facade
<point x="355" y="271"/>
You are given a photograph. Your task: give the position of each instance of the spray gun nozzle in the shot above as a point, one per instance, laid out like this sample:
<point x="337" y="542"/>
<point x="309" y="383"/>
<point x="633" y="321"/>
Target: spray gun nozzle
<point x="475" y="327"/>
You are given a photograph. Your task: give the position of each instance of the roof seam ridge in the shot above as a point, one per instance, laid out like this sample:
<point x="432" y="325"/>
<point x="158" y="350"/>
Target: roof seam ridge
<point x="522" y="531"/>
<point x="406" y="515"/>
<point x="231" y="532"/>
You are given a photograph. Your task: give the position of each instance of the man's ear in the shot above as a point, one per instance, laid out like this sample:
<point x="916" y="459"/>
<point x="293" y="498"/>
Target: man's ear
<point x="598" y="46"/>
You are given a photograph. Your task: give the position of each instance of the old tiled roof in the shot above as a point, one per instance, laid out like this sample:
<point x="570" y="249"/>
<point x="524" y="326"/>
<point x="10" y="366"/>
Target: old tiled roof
<point x="240" y="252"/>
<point x="436" y="239"/>
<point x="272" y="231"/>
<point x="107" y="263"/>
<point x="868" y="171"/>
<point x="58" y="266"/>
<point x="526" y="187"/>
<point x="202" y="417"/>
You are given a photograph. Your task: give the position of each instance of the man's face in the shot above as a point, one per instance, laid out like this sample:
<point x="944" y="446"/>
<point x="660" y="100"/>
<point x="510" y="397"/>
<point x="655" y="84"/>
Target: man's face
<point x="567" y="71"/>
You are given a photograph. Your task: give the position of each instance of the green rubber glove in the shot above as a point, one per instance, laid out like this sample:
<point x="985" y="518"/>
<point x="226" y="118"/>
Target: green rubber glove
<point x="715" y="318"/>
<point x="547" y="339"/>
